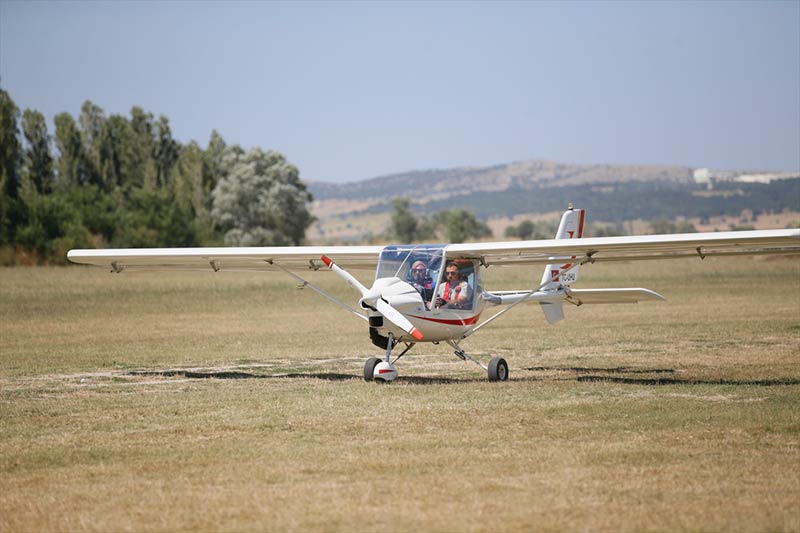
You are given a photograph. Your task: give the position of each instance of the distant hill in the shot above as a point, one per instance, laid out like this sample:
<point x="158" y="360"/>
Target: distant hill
<point x="439" y="184"/>
<point x="353" y="212"/>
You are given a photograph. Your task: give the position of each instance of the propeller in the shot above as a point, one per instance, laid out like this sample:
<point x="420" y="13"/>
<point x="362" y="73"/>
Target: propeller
<point x="396" y="317"/>
<point x="345" y="275"/>
<point x="374" y="299"/>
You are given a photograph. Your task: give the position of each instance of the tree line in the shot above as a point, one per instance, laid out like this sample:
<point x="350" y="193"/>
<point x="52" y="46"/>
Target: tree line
<point x="125" y="181"/>
<point x="446" y="225"/>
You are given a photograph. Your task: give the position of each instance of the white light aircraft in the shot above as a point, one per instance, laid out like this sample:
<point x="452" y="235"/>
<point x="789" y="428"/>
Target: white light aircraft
<point x="435" y="293"/>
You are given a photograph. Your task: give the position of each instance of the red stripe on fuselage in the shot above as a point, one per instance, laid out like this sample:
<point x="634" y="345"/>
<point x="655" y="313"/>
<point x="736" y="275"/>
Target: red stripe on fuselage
<point x="465" y="322"/>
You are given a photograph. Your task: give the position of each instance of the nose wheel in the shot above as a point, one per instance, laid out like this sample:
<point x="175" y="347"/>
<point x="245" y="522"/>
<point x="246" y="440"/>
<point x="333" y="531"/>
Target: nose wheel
<point x="369" y="368"/>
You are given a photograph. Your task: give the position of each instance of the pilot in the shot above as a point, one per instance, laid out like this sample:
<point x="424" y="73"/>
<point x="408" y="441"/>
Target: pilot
<point x="421" y="281"/>
<point x="456" y="292"/>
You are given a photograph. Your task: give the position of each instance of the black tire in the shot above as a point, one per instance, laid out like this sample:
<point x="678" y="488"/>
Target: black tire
<point x="498" y="369"/>
<point x="369" y="368"/>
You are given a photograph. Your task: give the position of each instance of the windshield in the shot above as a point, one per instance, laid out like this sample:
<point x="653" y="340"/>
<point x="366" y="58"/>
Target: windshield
<point x="410" y="262"/>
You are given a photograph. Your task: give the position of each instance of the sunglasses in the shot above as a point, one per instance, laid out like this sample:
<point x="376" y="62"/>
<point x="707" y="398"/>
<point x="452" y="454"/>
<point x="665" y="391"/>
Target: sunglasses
<point x="453" y="273"/>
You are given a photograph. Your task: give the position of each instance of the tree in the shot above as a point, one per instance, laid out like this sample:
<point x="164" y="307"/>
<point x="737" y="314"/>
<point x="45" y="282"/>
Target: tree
<point x="53" y="226"/>
<point x="72" y="159"/>
<point x="525" y="230"/>
<point x="187" y="178"/>
<point x="261" y="201"/>
<point x="665" y="226"/>
<point x="213" y="167"/>
<point x="117" y="157"/>
<point x="11" y="207"/>
<point x="404" y="223"/>
<point x="92" y="121"/>
<point x="10" y="150"/>
<point x="152" y="218"/>
<point x="460" y="225"/>
<point x="166" y="153"/>
<point x="38" y="159"/>
<point x="144" y="169"/>
<point x="528" y="229"/>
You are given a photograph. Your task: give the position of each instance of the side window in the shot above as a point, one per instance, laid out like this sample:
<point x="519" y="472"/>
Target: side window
<point x="468" y="275"/>
<point x="457" y="288"/>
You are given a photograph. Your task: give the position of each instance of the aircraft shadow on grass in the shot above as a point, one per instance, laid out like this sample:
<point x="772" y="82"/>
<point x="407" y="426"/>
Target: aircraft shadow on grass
<point x="325" y="376"/>
<point x="641" y="376"/>
<point x="623" y="375"/>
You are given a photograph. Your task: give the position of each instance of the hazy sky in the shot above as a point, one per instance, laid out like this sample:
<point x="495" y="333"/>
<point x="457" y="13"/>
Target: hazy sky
<point x="352" y="90"/>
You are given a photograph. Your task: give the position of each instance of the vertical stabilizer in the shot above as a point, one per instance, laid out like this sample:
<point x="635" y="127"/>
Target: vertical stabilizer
<point x="562" y="274"/>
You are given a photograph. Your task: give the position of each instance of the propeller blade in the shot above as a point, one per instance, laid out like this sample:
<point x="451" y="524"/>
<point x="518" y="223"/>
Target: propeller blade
<point x="345" y="275"/>
<point x="396" y="317"/>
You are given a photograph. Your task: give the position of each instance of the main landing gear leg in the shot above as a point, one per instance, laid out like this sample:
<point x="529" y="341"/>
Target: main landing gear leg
<point x="497" y="369"/>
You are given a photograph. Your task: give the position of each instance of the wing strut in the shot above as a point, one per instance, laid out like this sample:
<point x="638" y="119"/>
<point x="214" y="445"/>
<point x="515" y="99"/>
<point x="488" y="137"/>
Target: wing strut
<point x="318" y="290"/>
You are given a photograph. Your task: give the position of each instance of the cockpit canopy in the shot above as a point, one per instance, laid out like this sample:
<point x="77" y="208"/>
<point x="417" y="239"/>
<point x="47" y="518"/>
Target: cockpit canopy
<point x="423" y="267"/>
<point x="396" y="261"/>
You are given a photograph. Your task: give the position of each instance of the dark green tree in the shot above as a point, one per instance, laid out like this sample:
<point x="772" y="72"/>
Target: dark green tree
<point x="117" y="152"/>
<point x="404" y="223"/>
<point x="166" y="153"/>
<point x="38" y="159"/>
<point x="10" y="148"/>
<point x="525" y="230"/>
<point x="72" y="158"/>
<point x="12" y="209"/>
<point x="460" y="225"/>
<point x="92" y="125"/>
<point x="152" y="218"/>
<point x="144" y="171"/>
<point x="187" y="178"/>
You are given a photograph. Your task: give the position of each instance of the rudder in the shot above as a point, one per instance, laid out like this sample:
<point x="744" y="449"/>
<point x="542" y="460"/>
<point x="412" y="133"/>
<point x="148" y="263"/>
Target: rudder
<point x="562" y="274"/>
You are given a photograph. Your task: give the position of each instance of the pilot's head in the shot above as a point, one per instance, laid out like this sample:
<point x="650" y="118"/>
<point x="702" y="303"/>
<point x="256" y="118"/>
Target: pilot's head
<point x="451" y="272"/>
<point x="419" y="271"/>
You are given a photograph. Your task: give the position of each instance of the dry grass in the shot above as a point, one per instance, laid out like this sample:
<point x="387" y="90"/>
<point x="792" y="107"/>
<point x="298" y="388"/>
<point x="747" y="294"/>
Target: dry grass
<point x="673" y="416"/>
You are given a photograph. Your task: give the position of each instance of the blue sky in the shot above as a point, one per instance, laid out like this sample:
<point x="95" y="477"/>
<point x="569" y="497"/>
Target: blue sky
<point x="352" y="90"/>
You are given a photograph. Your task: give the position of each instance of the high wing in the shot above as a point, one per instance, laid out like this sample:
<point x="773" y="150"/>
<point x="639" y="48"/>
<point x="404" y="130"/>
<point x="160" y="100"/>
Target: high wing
<point x="234" y="258"/>
<point x="489" y="253"/>
<point x="630" y="248"/>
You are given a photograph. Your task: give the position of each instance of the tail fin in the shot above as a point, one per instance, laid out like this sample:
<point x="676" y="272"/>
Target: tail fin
<point x="571" y="227"/>
<point x="562" y="274"/>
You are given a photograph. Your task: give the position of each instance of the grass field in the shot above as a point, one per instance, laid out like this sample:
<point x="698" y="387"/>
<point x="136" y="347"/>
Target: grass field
<point x="234" y="402"/>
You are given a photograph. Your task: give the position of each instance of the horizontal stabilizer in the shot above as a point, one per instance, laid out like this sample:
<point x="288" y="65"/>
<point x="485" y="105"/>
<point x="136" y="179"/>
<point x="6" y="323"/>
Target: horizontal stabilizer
<point x="611" y="296"/>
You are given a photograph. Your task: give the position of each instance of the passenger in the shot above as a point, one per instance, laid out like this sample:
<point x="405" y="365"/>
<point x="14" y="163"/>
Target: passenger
<point x="421" y="281"/>
<point x="456" y="292"/>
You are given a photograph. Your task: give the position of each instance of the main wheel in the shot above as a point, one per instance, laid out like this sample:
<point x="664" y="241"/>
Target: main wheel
<point x="369" y="368"/>
<point x="498" y="369"/>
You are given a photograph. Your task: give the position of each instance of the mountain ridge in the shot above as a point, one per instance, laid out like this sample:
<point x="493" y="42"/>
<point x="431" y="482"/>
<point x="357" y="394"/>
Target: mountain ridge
<point x="439" y="184"/>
